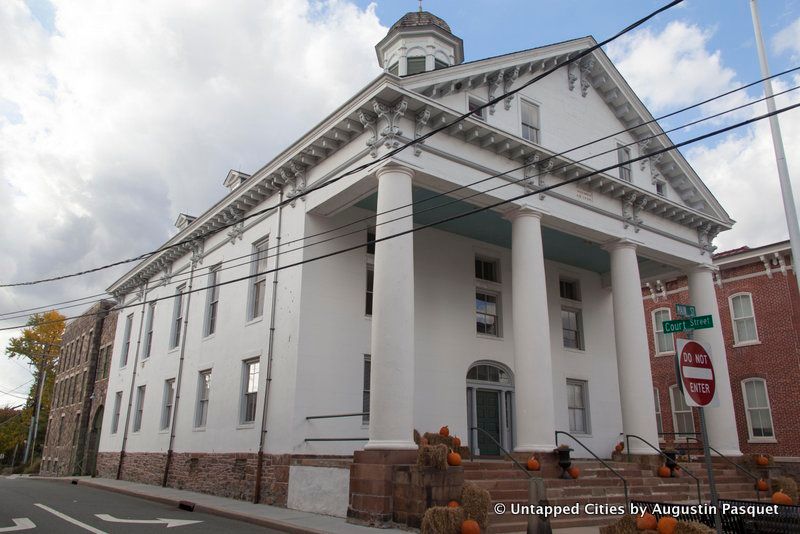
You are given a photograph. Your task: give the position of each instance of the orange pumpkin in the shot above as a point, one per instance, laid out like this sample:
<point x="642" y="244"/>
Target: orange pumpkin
<point x="454" y="459"/>
<point x="667" y="525"/>
<point x="762" y="485"/>
<point x="470" y="526"/>
<point x="444" y="431"/>
<point x="762" y="460"/>
<point x="779" y="497"/>
<point x="456" y="442"/>
<point x="574" y="472"/>
<point x="664" y="472"/>
<point x="453" y="504"/>
<point x="533" y="464"/>
<point x="646" y="522"/>
<point x="619" y="447"/>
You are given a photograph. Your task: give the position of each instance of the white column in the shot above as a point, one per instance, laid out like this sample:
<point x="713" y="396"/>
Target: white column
<point x="391" y="420"/>
<point x="533" y="368"/>
<point x="633" y="351"/>
<point x="720" y="420"/>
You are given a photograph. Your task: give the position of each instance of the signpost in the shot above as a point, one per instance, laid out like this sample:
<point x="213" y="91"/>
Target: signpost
<point x="697" y="380"/>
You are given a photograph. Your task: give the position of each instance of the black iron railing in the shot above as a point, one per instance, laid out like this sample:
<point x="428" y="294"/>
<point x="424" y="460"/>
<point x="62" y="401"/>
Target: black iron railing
<point x="739" y="467"/>
<point x="659" y="451"/>
<point x="510" y="456"/>
<point x="336" y="416"/>
<point x="622" y="478"/>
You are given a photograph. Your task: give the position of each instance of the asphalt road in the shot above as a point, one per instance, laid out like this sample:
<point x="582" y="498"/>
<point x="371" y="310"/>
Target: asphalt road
<point x="56" y="507"/>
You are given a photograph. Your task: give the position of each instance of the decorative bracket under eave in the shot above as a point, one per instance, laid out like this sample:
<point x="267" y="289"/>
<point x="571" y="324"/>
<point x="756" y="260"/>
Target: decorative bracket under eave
<point x="420" y="120"/>
<point x="586" y="72"/>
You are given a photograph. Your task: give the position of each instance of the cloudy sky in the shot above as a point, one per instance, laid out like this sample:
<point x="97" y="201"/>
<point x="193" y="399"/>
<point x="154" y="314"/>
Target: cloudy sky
<point x="116" y="116"/>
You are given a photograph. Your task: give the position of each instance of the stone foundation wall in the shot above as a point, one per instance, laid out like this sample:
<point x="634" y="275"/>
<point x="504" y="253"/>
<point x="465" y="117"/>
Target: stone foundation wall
<point x="107" y="463"/>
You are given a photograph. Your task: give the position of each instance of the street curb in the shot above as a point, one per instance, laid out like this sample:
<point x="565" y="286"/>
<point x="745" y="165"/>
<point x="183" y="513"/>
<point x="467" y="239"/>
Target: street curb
<point x="260" y="521"/>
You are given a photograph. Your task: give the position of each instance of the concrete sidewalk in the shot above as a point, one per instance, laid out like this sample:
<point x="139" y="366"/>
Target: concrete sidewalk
<point x="275" y="517"/>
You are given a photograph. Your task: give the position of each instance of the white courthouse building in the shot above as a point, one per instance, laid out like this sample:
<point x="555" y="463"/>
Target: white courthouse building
<point x="521" y="319"/>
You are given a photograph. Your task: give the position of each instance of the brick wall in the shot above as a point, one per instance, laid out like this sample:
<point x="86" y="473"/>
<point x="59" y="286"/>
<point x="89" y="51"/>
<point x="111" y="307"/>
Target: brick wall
<point x="75" y="396"/>
<point x="775" y="357"/>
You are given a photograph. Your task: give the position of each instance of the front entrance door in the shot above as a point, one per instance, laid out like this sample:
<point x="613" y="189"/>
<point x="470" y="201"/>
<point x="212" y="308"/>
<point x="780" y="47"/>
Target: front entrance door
<point x="487" y="411"/>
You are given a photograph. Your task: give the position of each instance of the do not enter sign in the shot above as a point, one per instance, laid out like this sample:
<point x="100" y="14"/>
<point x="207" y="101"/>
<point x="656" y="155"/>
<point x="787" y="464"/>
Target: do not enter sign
<point x="696" y="372"/>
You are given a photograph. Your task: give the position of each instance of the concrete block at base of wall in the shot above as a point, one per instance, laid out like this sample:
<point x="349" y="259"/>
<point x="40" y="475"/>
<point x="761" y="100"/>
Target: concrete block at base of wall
<point x="318" y="489"/>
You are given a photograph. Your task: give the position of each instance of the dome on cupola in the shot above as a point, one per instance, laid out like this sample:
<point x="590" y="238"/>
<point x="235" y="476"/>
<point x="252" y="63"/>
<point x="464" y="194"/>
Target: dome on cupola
<point x="419" y="42"/>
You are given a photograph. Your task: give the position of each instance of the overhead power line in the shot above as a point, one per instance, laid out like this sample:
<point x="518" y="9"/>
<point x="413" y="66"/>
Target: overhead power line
<point x="177" y="280"/>
<point x="470" y="212"/>
<point x="578" y="56"/>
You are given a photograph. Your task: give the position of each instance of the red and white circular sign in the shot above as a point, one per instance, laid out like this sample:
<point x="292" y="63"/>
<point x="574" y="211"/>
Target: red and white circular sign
<point x="697" y="373"/>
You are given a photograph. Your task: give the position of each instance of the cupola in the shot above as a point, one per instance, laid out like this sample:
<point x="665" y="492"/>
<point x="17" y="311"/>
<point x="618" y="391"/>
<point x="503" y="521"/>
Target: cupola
<point x="419" y="42"/>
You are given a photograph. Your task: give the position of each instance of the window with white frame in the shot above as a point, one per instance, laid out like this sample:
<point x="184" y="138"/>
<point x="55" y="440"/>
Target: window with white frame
<point x="365" y="390"/>
<point x="126" y="341"/>
<point x="369" y="295"/>
<point x="659" y="421"/>
<point x="474" y="106"/>
<point x="115" y="416"/>
<point x="665" y="343"/>
<point x="530" y="121"/>
<point x="258" y="283"/>
<point x="203" y="392"/>
<point x="212" y="300"/>
<point x="415" y="64"/>
<point x="487" y="313"/>
<point x="661" y="188"/>
<point x="756" y="404"/>
<point x="571" y="314"/>
<point x="249" y="391"/>
<point x="623" y="158"/>
<point x="744" y="319"/>
<point x="578" y="406"/>
<point x="169" y="400"/>
<point x="682" y="417"/>
<point x="148" y="336"/>
<point x="177" y="318"/>
<point x="137" y="415"/>
<point x="487" y="269"/>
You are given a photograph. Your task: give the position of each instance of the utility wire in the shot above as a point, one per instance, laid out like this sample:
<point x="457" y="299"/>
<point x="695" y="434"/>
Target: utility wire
<point x="466" y="213"/>
<point x="578" y="56"/>
<point x="216" y="266"/>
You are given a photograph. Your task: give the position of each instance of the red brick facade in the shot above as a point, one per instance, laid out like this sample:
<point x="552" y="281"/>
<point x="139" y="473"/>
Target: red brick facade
<point x="774" y="357"/>
<point x="79" y="393"/>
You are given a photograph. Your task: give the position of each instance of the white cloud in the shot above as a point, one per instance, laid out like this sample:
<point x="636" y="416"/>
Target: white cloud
<point x="788" y="40"/>
<point x="740" y="170"/>
<point x="672" y="68"/>
<point x="130" y="112"/>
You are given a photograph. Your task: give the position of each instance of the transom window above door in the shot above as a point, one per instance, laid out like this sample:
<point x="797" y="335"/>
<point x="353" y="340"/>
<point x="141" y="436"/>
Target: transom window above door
<point x="489" y="373"/>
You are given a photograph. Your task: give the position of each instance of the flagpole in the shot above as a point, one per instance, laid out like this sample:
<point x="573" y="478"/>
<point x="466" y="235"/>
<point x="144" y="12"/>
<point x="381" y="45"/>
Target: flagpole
<point x="777" y="142"/>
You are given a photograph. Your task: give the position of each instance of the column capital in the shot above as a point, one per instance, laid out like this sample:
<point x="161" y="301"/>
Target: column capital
<point x="702" y="268"/>
<point x="394" y="167"/>
<point x="616" y="244"/>
<point x="523" y="211"/>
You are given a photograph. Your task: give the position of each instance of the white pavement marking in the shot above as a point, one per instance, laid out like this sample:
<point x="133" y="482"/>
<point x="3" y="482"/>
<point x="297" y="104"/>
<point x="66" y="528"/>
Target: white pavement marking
<point x="69" y="519"/>
<point x="157" y="521"/>
<point x="22" y="523"/>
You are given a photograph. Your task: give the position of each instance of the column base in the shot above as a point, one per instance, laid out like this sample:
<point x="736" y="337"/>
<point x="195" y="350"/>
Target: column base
<point x="390" y="445"/>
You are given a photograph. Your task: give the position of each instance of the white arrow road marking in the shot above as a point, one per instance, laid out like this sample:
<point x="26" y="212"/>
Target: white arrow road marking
<point x="69" y="519"/>
<point x="157" y="521"/>
<point x="22" y="523"/>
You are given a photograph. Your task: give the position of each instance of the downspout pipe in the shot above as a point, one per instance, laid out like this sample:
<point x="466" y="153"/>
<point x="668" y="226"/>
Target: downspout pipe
<point x="262" y="440"/>
<point x="133" y="382"/>
<point x="179" y="378"/>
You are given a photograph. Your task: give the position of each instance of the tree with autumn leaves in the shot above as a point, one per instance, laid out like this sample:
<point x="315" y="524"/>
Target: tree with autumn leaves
<point x="38" y="345"/>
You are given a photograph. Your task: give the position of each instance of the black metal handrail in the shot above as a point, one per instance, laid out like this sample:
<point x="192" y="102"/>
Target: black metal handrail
<point x="333" y="416"/>
<point x="680" y="440"/>
<point x="488" y="435"/>
<point x="737" y="466"/>
<point x="622" y="478"/>
<point x="659" y="451"/>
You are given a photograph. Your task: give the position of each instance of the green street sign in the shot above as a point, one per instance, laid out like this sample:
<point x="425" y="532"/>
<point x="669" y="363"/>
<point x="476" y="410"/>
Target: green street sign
<point x="685" y="310"/>
<point x="693" y="323"/>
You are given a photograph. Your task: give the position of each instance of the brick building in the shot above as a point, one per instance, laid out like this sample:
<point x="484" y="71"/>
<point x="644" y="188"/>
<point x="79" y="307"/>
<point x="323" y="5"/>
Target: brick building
<point x="76" y="413"/>
<point x="760" y="318"/>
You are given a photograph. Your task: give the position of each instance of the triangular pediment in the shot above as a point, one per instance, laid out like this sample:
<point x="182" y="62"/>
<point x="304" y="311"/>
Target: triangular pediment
<point x="596" y="73"/>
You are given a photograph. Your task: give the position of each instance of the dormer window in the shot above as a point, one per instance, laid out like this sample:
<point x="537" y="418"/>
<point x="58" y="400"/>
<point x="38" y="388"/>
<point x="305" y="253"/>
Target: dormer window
<point x="475" y="108"/>
<point x="661" y="188"/>
<point x="415" y="65"/>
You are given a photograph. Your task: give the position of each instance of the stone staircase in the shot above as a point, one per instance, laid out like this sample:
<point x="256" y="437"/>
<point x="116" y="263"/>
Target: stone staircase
<point x="597" y="485"/>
